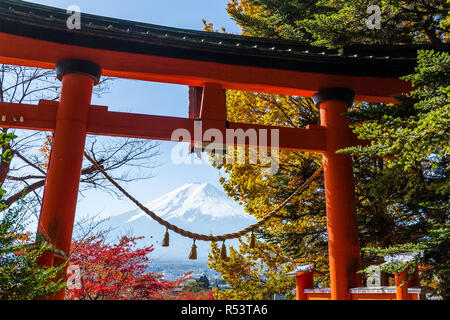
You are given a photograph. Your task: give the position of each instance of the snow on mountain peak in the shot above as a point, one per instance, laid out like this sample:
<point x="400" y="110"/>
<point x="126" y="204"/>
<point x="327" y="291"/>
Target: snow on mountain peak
<point x="197" y="207"/>
<point x="193" y="200"/>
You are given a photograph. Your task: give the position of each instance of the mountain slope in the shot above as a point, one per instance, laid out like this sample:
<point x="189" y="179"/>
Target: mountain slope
<point x="196" y="207"/>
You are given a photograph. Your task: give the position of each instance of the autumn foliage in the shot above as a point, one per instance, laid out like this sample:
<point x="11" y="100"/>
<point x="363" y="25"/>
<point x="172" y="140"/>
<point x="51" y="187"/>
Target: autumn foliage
<point x="189" y="295"/>
<point x="115" y="272"/>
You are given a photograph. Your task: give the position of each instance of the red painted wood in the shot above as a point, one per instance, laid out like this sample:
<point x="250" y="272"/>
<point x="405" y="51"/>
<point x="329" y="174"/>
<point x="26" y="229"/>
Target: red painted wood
<point x="120" y="124"/>
<point x="373" y="296"/>
<point x="342" y="226"/>
<point x="16" y="50"/>
<point x="304" y="280"/>
<point x="213" y="104"/>
<point x="63" y="176"/>
<point x="318" y="296"/>
<point x="23" y="116"/>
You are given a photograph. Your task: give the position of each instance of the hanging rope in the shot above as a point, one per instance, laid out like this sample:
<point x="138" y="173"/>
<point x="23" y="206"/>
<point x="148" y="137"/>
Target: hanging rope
<point x="197" y="236"/>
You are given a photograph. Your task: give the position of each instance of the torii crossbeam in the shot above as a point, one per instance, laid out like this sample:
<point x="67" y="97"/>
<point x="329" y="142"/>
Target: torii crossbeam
<point x="37" y="36"/>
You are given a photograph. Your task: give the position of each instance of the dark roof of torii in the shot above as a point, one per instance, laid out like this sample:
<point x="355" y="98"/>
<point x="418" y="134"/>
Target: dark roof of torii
<point x="49" y="24"/>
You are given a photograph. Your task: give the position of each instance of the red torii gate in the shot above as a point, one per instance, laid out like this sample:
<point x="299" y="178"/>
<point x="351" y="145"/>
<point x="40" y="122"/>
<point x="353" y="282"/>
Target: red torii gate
<point x="36" y="36"/>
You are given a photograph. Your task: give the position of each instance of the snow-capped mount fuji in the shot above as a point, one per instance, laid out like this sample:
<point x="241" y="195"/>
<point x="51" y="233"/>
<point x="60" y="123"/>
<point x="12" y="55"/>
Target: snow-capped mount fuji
<point x="196" y="202"/>
<point x="197" y="207"/>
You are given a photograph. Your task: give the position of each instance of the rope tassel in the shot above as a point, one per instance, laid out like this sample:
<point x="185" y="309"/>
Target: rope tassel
<point x="198" y="236"/>
<point x="193" y="254"/>
<point x="223" y="252"/>
<point x="165" y="242"/>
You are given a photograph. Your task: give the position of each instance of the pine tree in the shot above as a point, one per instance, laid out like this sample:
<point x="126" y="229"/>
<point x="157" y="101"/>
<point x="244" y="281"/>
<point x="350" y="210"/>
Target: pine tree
<point x="336" y="23"/>
<point x="415" y="133"/>
<point x="21" y="277"/>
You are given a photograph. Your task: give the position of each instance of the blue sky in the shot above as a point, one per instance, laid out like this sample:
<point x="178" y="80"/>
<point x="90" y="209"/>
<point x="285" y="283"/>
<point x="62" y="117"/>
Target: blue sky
<point x="151" y="98"/>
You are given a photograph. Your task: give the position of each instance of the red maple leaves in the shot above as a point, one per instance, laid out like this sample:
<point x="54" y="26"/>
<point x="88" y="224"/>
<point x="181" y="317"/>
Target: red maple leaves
<point x="115" y="272"/>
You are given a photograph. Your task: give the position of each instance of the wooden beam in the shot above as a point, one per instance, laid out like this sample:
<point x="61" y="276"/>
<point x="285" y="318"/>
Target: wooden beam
<point x="16" y="50"/>
<point x="23" y="116"/>
<point x="120" y="124"/>
<point x="161" y="128"/>
<point x="213" y="104"/>
<point x="195" y="102"/>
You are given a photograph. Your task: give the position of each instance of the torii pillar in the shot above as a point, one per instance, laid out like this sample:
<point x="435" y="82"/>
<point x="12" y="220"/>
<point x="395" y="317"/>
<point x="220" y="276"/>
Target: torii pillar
<point x="342" y="226"/>
<point x="64" y="170"/>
